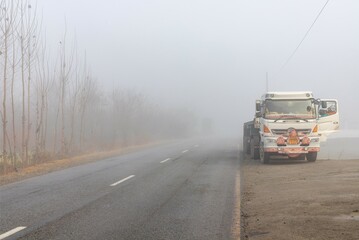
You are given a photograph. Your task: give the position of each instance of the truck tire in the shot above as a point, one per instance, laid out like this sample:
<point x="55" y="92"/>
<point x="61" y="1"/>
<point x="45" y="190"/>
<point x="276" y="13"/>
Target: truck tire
<point x="254" y="151"/>
<point x="312" y="156"/>
<point x="246" y="147"/>
<point x="264" y="156"/>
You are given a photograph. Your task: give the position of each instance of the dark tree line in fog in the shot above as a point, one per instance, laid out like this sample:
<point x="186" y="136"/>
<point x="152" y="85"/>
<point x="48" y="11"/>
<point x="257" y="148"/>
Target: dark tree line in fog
<point x="53" y="107"/>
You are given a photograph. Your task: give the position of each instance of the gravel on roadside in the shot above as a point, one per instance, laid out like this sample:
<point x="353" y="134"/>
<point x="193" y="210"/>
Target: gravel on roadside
<point x="300" y="200"/>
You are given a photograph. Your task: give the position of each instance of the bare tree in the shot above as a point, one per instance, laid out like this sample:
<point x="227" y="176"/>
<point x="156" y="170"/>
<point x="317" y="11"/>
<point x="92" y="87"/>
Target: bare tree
<point x="43" y="83"/>
<point x="32" y="41"/>
<point x="5" y="30"/>
<point x="22" y="57"/>
<point x="128" y="107"/>
<point x="74" y="98"/>
<point x="14" y="63"/>
<point x="8" y="16"/>
<point x="22" y="33"/>
<point x="66" y="67"/>
<point x="87" y="93"/>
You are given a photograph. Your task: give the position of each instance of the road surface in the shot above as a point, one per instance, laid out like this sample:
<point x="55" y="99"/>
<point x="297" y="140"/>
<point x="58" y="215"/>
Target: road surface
<point x="180" y="190"/>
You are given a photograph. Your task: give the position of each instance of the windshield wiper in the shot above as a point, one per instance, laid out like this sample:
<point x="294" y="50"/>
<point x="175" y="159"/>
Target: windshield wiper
<point x="291" y="117"/>
<point x="280" y="118"/>
<point x="304" y="119"/>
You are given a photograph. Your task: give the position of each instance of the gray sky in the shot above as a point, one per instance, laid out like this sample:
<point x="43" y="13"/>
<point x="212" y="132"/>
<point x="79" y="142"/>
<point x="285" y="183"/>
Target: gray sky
<point x="213" y="55"/>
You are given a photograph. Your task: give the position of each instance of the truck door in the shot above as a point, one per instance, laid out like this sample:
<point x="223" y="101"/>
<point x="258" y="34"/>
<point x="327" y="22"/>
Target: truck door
<point x="328" y="115"/>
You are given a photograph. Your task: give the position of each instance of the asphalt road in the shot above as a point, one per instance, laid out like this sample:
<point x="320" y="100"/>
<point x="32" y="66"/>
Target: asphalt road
<point x="181" y="190"/>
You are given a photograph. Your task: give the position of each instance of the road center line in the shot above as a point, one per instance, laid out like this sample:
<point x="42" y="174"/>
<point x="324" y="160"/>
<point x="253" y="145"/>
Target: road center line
<point x="121" y="181"/>
<point x="184" y="151"/>
<point x="165" y="160"/>
<point x="11" y="232"/>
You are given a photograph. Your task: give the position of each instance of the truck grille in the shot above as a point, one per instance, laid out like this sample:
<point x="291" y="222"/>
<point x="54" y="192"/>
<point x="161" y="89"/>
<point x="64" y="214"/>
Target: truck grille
<point x="285" y="131"/>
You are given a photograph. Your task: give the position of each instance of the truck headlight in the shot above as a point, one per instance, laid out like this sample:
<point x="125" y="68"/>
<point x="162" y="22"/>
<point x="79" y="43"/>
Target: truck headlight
<point x="305" y="141"/>
<point x="266" y="129"/>
<point x="281" y="141"/>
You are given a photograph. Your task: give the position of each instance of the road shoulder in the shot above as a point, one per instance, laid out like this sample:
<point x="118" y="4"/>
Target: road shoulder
<point x="56" y="165"/>
<point x="300" y="200"/>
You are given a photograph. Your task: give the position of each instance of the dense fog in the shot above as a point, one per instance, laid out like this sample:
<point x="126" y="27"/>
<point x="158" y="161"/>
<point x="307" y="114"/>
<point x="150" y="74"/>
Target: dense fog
<point x="81" y="76"/>
<point x="213" y="56"/>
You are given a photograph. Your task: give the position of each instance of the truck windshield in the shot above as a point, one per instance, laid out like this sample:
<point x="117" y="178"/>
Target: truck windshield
<point x="289" y="109"/>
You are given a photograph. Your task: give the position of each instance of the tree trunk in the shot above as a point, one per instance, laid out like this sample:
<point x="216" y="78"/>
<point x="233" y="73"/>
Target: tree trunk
<point x="63" y="118"/>
<point x="23" y="119"/>
<point x="4" y="118"/>
<point x="13" y="107"/>
<point x="28" y="103"/>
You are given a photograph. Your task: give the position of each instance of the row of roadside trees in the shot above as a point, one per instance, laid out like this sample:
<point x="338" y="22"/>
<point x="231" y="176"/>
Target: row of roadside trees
<point x="53" y="107"/>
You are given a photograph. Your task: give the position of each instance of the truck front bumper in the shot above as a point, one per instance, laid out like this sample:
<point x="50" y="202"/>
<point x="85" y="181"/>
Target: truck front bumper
<point x="291" y="149"/>
<point x="270" y="146"/>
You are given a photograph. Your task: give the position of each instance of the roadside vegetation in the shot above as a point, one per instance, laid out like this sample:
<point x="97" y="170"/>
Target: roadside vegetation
<point x="53" y="107"/>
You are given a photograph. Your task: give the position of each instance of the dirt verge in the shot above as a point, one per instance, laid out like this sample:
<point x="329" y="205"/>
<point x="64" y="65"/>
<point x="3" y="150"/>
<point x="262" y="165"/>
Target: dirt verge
<point x="300" y="200"/>
<point x="55" y="165"/>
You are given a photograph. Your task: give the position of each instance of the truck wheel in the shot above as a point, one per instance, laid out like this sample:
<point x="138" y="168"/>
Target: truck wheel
<point x="264" y="156"/>
<point x="312" y="156"/>
<point x="246" y="148"/>
<point x="254" y="151"/>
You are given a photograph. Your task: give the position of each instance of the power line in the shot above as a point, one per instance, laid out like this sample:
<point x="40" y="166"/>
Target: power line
<point x="306" y="34"/>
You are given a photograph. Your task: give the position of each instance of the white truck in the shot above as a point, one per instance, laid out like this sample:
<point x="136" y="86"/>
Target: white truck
<point x="289" y="124"/>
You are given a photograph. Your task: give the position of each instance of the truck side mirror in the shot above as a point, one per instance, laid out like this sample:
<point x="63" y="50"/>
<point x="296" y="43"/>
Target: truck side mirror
<point x="324" y="104"/>
<point x="258" y="105"/>
<point x="316" y="101"/>
<point x="323" y="113"/>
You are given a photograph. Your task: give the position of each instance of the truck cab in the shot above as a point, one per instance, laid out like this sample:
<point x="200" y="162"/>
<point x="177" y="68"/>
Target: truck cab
<point x="292" y="124"/>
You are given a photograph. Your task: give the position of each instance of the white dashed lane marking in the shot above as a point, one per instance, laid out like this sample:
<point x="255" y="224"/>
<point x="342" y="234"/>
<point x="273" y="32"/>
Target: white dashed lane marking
<point x="11" y="232"/>
<point x="121" y="181"/>
<point x="165" y="160"/>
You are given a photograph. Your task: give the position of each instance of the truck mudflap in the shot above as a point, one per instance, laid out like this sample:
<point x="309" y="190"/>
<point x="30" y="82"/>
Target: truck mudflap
<point x="292" y="150"/>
